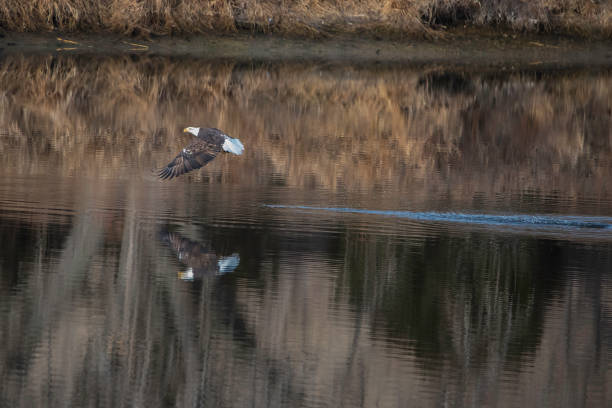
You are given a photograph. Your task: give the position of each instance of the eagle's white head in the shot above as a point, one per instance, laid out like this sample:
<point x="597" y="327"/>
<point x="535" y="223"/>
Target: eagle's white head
<point x="193" y="130"/>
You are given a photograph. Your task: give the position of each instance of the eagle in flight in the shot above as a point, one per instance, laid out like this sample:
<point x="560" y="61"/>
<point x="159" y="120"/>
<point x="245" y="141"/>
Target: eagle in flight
<point x="208" y="142"/>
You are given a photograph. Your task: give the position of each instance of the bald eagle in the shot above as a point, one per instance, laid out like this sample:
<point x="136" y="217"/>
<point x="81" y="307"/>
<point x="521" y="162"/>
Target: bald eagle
<point x="200" y="259"/>
<point x="207" y="144"/>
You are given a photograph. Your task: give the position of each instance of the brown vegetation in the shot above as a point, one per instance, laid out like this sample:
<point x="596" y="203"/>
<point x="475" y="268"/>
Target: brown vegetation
<point x="303" y="17"/>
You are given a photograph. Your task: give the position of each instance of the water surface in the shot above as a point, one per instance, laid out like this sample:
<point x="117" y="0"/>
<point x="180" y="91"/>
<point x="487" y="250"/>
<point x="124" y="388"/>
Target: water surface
<point x="394" y="235"/>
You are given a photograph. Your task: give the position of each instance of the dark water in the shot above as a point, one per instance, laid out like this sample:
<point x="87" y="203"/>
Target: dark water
<point x="392" y="236"/>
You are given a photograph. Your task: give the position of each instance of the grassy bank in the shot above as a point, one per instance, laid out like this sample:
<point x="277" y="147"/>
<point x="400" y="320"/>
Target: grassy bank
<point x="415" y="18"/>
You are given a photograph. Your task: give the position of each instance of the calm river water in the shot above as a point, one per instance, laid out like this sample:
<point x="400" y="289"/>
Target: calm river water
<point x="393" y="236"/>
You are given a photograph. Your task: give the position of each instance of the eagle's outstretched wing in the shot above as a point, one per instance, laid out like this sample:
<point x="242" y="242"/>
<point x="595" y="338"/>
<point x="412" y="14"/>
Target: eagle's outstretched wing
<point x="197" y="154"/>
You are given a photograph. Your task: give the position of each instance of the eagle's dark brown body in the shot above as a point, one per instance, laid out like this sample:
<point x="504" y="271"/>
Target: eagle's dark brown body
<point x="206" y="145"/>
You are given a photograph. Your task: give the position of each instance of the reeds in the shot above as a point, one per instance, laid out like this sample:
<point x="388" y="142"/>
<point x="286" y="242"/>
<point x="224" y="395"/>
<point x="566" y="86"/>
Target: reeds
<point x="303" y="17"/>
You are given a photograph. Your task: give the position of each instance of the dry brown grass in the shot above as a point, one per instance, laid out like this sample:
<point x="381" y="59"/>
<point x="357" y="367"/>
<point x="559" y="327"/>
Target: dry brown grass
<point x="303" y="17"/>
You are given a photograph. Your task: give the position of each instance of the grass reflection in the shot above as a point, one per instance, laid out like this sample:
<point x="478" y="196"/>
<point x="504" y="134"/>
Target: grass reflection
<point x="340" y="128"/>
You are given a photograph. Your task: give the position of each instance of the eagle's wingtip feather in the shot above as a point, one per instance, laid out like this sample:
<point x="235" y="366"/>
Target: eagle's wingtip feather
<point x="163" y="173"/>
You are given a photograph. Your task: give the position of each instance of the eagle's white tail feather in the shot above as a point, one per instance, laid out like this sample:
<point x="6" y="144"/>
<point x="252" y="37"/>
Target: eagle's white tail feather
<point x="233" y="146"/>
<point x="229" y="263"/>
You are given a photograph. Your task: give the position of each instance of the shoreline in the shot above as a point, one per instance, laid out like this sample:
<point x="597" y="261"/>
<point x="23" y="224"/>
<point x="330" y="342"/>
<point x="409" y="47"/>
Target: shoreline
<point x="506" y="51"/>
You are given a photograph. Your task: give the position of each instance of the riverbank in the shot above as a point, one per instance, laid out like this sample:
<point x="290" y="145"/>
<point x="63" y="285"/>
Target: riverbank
<point x="481" y="49"/>
<point x="307" y="18"/>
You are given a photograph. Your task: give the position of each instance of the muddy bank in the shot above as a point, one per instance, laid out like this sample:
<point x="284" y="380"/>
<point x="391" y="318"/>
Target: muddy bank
<point x="509" y="51"/>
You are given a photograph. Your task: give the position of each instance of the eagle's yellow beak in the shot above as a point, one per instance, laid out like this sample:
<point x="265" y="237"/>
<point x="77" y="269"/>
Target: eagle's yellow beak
<point x="185" y="130"/>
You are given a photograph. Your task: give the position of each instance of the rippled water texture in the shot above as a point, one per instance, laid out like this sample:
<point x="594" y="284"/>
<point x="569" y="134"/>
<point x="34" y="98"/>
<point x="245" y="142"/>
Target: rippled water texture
<point x="393" y="235"/>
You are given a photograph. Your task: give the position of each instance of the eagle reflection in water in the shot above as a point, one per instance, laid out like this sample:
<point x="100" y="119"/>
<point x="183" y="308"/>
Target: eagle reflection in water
<point x="200" y="259"/>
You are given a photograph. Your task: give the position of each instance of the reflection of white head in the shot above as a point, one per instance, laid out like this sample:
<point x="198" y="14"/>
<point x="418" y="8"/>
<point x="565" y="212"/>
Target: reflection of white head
<point x="187" y="275"/>
<point x="193" y="130"/>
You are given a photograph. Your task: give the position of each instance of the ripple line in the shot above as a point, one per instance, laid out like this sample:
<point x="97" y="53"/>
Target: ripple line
<point x="467" y="218"/>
